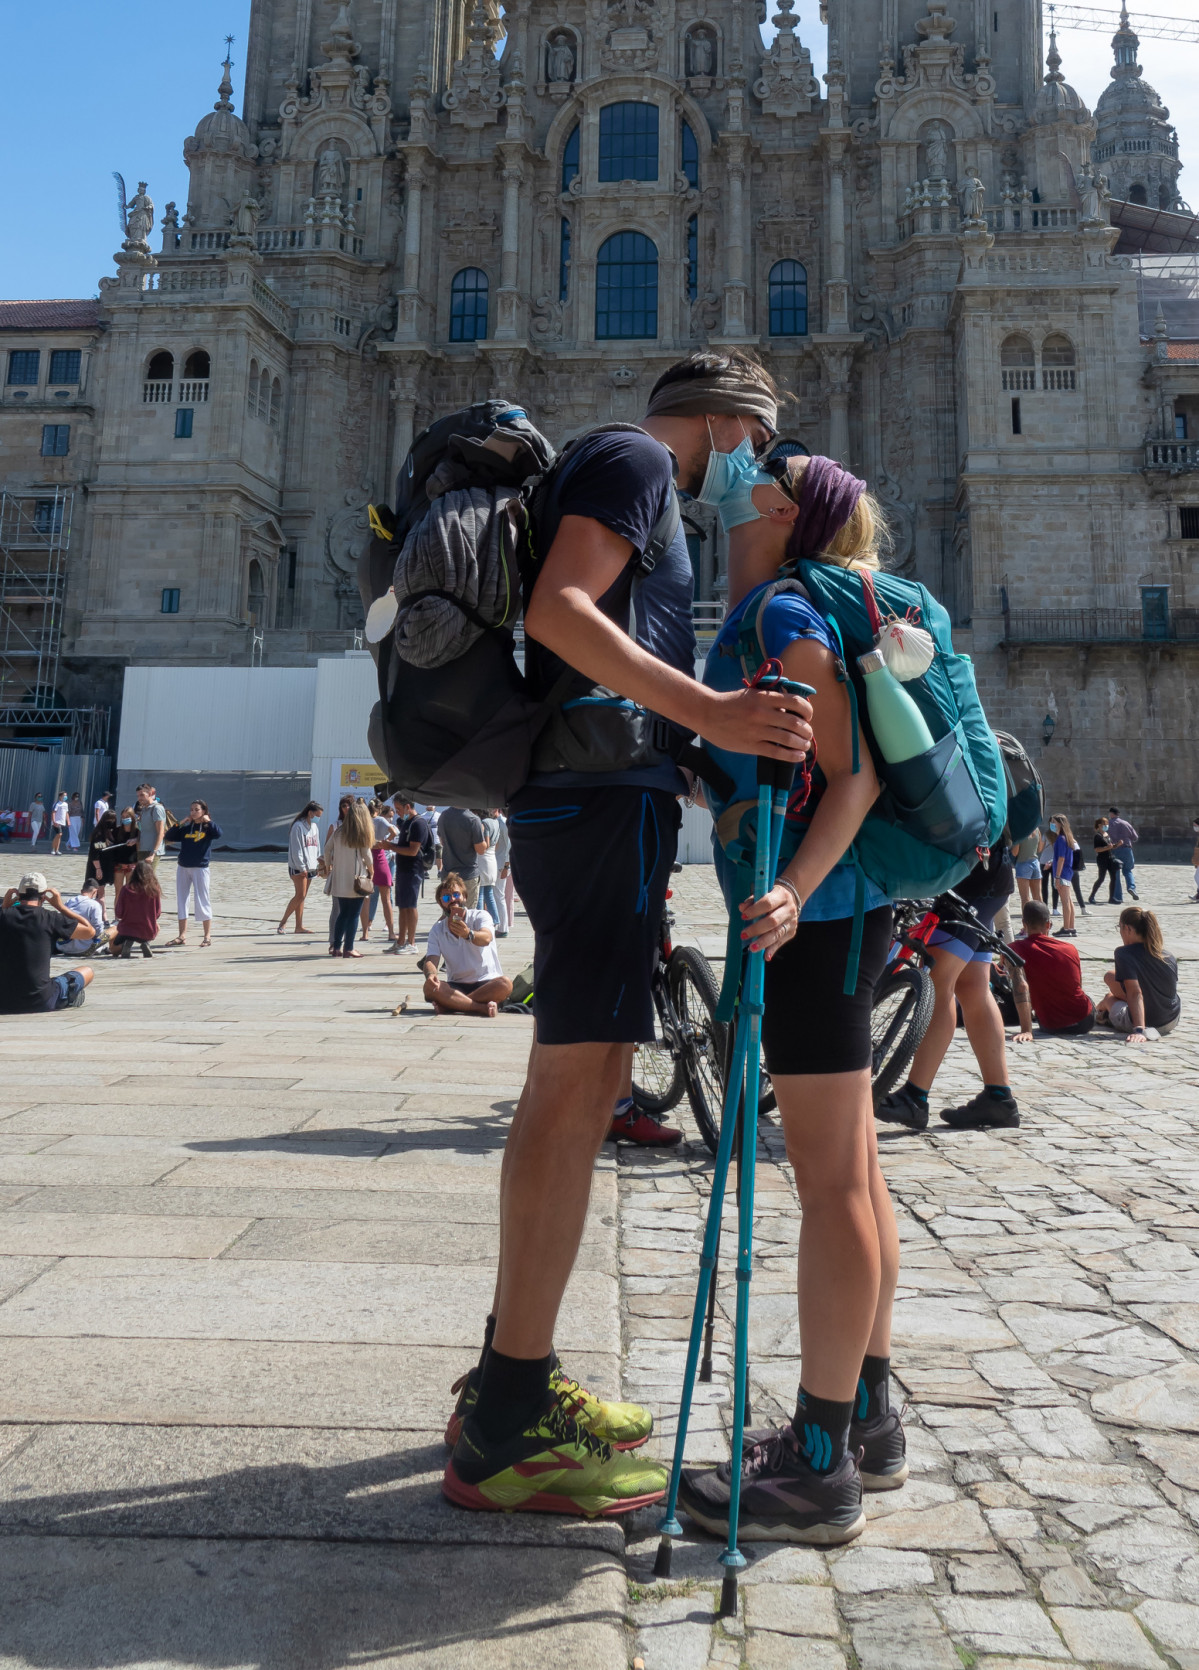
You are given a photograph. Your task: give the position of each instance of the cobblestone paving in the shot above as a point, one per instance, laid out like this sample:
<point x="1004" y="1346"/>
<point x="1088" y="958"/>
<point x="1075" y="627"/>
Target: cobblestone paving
<point x="1046" y="1336"/>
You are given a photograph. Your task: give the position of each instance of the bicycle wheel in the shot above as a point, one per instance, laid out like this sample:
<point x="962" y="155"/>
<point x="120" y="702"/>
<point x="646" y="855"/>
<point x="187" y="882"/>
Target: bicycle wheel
<point x="694" y="993"/>
<point x="899" y="1017"/>
<point x="657" y="1070"/>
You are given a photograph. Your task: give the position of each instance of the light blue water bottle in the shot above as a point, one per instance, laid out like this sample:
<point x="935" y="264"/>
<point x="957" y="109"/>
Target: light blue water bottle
<point x="899" y="726"/>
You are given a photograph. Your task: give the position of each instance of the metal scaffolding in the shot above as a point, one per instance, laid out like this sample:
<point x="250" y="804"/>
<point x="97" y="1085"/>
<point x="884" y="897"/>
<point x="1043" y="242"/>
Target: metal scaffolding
<point x="35" y="533"/>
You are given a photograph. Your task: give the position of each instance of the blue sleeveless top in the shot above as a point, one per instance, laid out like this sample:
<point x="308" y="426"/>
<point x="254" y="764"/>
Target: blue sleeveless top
<point x="787" y="618"/>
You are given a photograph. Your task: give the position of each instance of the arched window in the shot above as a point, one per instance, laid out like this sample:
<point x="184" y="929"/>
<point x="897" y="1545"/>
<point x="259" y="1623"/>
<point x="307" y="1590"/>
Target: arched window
<point x="626" y="288"/>
<point x="1165" y="197"/>
<point x="570" y="158"/>
<point x="1018" y="364"/>
<point x="690" y="155"/>
<point x="264" y="393"/>
<point x="564" y="261"/>
<point x="692" y="258"/>
<point x="256" y="594"/>
<point x="628" y="141"/>
<point x="1058" y="363"/>
<point x="468" y="305"/>
<point x="252" y="390"/>
<point x="788" y="299"/>
<point x="197" y="364"/>
<point x="276" y="399"/>
<point x="1138" y="194"/>
<point x="161" y="368"/>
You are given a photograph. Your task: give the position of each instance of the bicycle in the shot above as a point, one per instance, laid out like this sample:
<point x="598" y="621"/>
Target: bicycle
<point x="689" y="1052"/>
<point x="903" y="999"/>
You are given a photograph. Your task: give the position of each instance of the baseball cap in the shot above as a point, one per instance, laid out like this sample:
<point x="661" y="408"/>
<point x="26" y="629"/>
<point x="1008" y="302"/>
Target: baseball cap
<point x="32" y="882"/>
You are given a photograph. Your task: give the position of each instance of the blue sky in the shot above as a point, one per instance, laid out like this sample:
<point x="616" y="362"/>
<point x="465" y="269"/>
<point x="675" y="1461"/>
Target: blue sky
<point x="94" y="87"/>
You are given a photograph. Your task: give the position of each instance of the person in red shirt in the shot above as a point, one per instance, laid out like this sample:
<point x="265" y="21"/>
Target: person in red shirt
<point x="1050" y="981"/>
<point x="138" y="909"/>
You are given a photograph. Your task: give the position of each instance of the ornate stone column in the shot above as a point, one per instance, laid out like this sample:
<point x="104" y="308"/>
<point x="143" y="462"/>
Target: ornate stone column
<point x="508" y="301"/>
<point x="408" y="303"/>
<point x="736" y="147"/>
<point x="403" y="399"/>
<point x="836" y="289"/>
<point x="836" y="359"/>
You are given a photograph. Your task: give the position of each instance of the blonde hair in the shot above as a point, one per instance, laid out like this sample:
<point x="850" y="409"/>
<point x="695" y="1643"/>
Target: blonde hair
<point x="858" y="543"/>
<point x="1146" y="926"/>
<point x="356" y="829"/>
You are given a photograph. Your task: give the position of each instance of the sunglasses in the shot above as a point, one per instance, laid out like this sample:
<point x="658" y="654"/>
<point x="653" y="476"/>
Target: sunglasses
<point x="452" y="898"/>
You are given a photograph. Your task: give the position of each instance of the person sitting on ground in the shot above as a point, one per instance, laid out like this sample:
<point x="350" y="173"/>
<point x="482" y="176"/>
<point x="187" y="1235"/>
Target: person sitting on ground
<point x="86" y="904"/>
<point x="32" y="918"/>
<point x="195" y="838"/>
<point x="1052" y="974"/>
<point x="1142" y="993"/>
<point x="138" y="910"/>
<point x="464" y="940"/>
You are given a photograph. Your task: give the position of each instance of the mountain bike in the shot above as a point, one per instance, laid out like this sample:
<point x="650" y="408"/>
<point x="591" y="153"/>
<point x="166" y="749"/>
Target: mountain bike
<point x="689" y="1052"/>
<point x="903" y="998"/>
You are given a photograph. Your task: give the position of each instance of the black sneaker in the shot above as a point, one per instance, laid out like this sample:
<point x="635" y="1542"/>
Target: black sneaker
<point x="881" y="1451"/>
<point x="902" y="1108"/>
<point x="782" y="1498"/>
<point x="984" y="1112"/>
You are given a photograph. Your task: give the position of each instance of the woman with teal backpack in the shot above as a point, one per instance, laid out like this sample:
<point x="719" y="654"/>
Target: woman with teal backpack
<point x="802" y="1483"/>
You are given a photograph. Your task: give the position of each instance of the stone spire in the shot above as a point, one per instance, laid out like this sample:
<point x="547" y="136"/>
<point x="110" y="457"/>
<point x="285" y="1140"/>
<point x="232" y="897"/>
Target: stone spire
<point x="1057" y="100"/>
<point x="224" y="93"/>
<point x="1135" y="144"/>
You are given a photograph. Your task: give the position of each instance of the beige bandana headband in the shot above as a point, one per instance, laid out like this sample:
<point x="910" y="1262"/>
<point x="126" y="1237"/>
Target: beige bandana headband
<point x="721" y="393"/>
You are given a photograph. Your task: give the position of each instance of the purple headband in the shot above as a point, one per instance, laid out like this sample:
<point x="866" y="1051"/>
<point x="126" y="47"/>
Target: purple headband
<point x="827" y="496"/>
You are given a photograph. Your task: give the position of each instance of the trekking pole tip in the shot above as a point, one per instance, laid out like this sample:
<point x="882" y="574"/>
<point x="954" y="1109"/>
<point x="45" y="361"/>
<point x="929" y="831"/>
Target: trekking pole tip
<point x="662" y="1562"/>
<point x="728" y="1596"/>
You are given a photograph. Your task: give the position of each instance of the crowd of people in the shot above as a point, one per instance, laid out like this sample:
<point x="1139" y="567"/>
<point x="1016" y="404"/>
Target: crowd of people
<point x="590" y="855"/>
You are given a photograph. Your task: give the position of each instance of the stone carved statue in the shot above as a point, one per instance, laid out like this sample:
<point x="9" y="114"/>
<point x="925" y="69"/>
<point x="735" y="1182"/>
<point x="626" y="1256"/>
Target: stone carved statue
<point x="139" y="216"/>
<point x="973" y="197"/>
<point x="245" y="217"/>
<point x="1088" y="191"/>
<point x="701" y="53"/>
<point x="936" y="153"/>
<point x="330" y="173"/>
<point x="560" y="59"/>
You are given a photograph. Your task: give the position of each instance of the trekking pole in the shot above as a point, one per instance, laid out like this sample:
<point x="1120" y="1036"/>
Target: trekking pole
<point x="774" y="783"/>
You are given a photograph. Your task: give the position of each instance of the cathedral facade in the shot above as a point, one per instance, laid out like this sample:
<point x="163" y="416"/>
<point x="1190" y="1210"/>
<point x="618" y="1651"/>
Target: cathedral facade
<point x="423" y="206"/>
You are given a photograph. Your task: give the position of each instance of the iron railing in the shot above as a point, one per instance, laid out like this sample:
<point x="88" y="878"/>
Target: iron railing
<point x="1098" y="626"/>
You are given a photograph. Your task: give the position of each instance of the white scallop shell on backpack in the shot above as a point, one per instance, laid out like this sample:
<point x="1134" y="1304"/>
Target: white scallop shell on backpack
<point x="907" y="649"/>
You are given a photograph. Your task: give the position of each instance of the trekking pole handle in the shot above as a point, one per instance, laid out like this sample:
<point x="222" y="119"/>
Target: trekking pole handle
<point x="778" y="773"/>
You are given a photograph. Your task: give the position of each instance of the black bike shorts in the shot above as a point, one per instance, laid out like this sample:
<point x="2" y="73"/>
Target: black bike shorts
<point x="809" y="1025"/>
<point x="592" y="867"/>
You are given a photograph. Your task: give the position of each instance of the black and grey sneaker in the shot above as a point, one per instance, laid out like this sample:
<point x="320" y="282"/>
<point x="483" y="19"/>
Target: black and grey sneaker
<point x="984" y="1112"/>
<point x="782" y="1498"/>
<point x="881" y="1451"/>
<point x="902" y="1108"/>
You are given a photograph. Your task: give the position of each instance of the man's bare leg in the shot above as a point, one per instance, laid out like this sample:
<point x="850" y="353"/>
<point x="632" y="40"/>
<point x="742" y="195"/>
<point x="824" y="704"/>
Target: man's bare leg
<point x="484" y="1001"/>
<point x="563" y="1117"/>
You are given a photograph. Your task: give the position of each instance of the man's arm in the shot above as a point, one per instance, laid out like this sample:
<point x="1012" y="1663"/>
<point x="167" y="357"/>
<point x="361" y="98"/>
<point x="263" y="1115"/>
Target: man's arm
<point x="83" y="928"/>
<point x="160" y="825"/>
<point x="1023" y="1006"/>
<point x="585" y="559"/>
<point x="8" y="898"/>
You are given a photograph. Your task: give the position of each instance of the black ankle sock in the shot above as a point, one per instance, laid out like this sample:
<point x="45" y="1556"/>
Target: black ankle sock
<point x="822" y="1428"/>
<point x="511" y="1392"/>
<point x="874" y="1395"/>
<point x="915" y="1090"/>
<point x="488" y="1336"/>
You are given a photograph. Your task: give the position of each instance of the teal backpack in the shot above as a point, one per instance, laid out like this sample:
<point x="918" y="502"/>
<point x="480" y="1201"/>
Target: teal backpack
<point x="935" y="812"/>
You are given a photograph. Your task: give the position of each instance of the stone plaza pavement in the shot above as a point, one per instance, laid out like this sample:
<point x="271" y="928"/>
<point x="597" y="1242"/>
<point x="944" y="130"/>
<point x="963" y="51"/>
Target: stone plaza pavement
<point x="247" y="1225"/>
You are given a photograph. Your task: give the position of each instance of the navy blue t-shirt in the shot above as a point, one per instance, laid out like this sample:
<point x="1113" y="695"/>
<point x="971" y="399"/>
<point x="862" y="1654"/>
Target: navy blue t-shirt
<point x="623" y="479"/>
<point x="194" y="841"/>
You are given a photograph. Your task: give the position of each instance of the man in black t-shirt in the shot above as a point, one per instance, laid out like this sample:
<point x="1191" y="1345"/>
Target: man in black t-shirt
<point x="591" y="853"/>
<point x="32" y="919"/>
<point x="413" y="839"/>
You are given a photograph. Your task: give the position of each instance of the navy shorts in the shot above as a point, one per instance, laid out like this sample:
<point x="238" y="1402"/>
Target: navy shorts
<point x="961" y="940"/>
<point x="592" y="867"/>
<point x="66" y="990"/>
<point x="408" y="889"/>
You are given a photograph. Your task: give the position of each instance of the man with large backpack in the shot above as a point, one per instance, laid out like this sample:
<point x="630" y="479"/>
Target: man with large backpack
<point x="593" y="835"/>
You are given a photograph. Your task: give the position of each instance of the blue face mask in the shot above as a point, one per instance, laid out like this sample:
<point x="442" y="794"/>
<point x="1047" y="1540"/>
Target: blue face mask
<point x="1053" y="828"/>
<point x="728" y="484"/>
